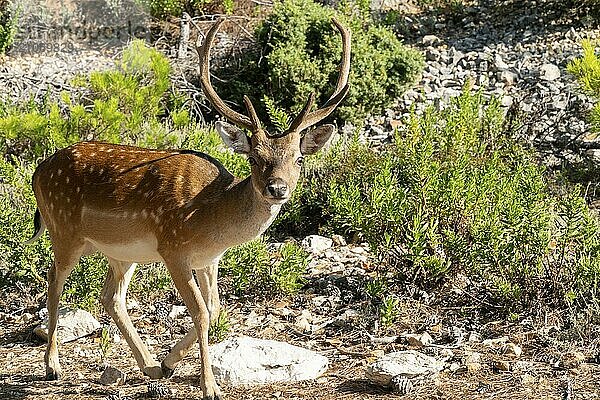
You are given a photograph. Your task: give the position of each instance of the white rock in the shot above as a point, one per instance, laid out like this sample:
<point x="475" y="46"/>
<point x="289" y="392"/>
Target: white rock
<point x="549" y="72"/>
<point x="245" y="360"/>
<point x="407" y="363"/>
<point x="177" y="311"/>
<point x="316" y="243"/>
<point x="431" y="40"/>
<point x="72" y="325"/>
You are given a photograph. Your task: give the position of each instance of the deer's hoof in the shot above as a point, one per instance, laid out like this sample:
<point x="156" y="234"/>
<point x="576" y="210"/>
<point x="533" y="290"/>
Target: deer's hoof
<point x="52" y="375"/>
<point x="154" y="372"/>
<point x="166" y="371"/>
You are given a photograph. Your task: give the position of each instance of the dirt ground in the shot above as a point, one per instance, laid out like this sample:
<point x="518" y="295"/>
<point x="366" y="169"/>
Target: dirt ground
<point x="545" y="370"/>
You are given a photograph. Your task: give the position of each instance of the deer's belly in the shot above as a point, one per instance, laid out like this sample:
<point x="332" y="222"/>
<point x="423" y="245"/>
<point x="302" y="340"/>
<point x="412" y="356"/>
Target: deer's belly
<point x="141" y="250"/>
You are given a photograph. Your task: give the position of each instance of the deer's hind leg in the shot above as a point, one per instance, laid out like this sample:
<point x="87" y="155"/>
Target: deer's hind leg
<point x="65" y="259"/>
<point x="113" y="298"/>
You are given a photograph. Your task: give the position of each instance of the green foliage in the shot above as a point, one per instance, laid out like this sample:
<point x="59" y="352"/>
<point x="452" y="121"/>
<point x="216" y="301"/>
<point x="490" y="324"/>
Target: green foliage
<point x="8" y="25"/>
<point x="587" y="71"/>
<point x="218" y="329"/>
<point x="163" y="9"/>
<point x="301" y="53"/>
<point x="130" y="104"/>
<point x="253" y="268"/>
<point x="388" y="311"/>
<point x="19" y="264"/>
<point x="455" y="194"/>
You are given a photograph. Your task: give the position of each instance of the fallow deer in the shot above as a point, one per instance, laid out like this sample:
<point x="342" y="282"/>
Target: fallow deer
<point x="182" y="208"/>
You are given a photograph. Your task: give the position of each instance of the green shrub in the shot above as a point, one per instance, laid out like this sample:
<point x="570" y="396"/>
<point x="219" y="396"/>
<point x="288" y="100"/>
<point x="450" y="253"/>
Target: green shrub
<point x="8" y="25"/>
<point x="454" y="194"/>
<point x="301" y="51"/>
<point x="253" y="268"/>
<point x="172" y="8"/>
<point x="131" y="104"/>
<point x="587" y="71"/>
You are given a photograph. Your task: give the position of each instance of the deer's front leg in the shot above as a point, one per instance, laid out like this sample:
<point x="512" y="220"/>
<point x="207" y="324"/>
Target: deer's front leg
<point x="207" y="278"/>
<point x="65" y="258"/>
<point x="185" y="283"/>
<point x="113" y="298"/>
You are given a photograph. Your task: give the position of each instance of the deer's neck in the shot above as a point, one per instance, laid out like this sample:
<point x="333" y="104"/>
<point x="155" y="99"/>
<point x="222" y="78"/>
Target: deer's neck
<point x="251" y="214"/>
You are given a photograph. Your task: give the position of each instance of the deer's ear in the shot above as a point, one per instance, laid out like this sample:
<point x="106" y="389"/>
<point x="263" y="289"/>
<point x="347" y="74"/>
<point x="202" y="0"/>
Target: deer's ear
<point x="233" y="137"/>
<point x="314" y="140"/>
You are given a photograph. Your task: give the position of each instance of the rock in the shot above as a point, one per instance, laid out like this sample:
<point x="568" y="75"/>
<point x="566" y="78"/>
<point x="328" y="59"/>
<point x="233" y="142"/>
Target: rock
<point x="508" y="77"/>
<point x="72" y="325"/>
<point x="418" y="340"/>
<point x="431" y="40"/>
<point x="572" y="359"/>
<point x="496" y="343"/>
<point x="473" y="362"/>
<point x="177" y="312"/>
<point x="511" y="349"/>
<point x="245" y="360"/>
<point x="499" y="62"/>
<point x="549" y="72"/>
<point x="408" y="364"/>
<point x="316" y="243"/>
<point x="502" y="365"/>
<point x="112" y="375"/>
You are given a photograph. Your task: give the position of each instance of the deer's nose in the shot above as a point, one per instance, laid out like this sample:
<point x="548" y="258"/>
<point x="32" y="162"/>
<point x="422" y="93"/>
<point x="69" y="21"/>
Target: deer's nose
<point x="277" y="188"/>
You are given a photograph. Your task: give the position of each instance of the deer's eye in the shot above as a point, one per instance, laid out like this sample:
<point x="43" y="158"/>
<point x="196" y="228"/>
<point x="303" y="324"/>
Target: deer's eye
<point x="252" y="161"/>
<point x="300" y="160"/>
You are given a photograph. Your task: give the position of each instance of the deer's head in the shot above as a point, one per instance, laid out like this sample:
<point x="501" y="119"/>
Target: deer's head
<point x="276" y="160"/>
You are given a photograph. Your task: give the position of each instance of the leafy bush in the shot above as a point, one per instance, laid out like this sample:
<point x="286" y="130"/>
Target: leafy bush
<point x="587" y="71"/>
<point x="454" y="194"/>
<point x="166" y="8"/>
<point x="300" y="53"/>
<point x="253" y="268"/>
<point x="8" y="25"/>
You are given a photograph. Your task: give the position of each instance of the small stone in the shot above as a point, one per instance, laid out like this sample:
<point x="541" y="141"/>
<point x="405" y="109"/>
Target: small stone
<point x="502" y="365"/>
<point x="508" y="77"/>
<point x="431" y="40"/>
<point x="419" y="340"/>
<point x="112" y="375"/>
<point x="473" y="362"/>
<point x="338" y="240"/>
<point x="474" y="337"/>
<point x="455" y="367"/>
<point x="511" y="349"/>
<point x="549" y="72"/>
<point x="177" y="312"/>
<point x="316" y="243"/>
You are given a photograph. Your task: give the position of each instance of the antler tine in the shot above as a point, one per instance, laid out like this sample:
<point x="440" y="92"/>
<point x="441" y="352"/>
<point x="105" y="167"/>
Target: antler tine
<point x="252" y="113"/>
<point x="204" y="54"/>
<point x="300" y="117"/>
<point x="305" y="118"/>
